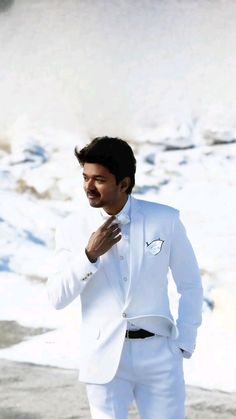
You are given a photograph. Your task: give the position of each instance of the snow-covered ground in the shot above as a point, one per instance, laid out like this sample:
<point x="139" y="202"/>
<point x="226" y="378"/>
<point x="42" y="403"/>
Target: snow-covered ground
<point x="160" y="74"/>
<point x="41" y="183"/>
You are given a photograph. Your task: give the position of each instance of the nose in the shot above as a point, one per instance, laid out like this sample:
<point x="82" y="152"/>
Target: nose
<point x="90" y="184"/>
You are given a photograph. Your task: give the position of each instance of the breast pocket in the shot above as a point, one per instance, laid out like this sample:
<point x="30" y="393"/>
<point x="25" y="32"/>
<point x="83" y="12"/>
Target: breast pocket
<point x="155" y="247"/>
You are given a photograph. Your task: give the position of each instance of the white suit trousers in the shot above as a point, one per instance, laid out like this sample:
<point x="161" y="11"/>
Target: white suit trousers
<point x="151" y="373"/>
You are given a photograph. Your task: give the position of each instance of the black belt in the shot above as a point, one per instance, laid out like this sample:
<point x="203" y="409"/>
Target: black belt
<point x="138" y="334"/>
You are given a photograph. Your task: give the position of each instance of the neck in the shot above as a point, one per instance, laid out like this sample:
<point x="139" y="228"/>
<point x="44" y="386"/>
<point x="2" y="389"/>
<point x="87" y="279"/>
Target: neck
<point x="116" y="209"/>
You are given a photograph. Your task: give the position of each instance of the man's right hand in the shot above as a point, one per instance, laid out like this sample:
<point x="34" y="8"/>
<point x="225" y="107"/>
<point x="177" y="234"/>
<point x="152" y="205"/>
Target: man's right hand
<point x="103" y="239"/>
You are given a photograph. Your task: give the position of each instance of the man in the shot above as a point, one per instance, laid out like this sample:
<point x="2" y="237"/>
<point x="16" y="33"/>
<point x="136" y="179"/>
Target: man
<point x="116" y="261"/>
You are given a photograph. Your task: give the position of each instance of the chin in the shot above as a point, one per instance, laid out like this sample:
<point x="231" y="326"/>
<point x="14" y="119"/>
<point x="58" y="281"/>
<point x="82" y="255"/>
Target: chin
<point x="95" y="204"/>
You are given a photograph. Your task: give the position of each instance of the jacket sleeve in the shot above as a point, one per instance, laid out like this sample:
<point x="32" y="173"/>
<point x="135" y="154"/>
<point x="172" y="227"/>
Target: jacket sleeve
<point x="185" y="272"/>
<point x="69" y="273"/>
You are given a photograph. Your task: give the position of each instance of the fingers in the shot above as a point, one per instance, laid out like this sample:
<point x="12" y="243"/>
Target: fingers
<point x="113" y="228"/>
<point x="110" y="228"/>
<point x="117" y="239"/>
<point x="112" y="232"/>
<point x="107" y="235"/>
<point x="108" y="222"/>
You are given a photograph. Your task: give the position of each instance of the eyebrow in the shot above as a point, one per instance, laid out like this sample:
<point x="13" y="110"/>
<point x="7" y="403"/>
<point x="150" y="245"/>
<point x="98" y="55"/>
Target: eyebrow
<point x="95" y="176"/>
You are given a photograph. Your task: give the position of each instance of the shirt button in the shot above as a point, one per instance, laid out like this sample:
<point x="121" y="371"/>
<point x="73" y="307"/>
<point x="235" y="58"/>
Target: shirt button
<point x="124" y="315"/>
<point x="125" y="278"/>
<point x="121" y="257"/>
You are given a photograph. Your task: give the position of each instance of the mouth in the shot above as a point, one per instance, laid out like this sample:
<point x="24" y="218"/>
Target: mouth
<point x="91" y="195"/>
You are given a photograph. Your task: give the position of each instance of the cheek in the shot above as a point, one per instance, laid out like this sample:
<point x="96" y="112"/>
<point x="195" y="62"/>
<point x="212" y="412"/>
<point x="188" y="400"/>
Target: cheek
<point x="106" y="191"/>
<point x="103" y="191"/>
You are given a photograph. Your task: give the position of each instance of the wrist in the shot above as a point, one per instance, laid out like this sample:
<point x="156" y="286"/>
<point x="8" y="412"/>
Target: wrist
<point x="90" y="256"/>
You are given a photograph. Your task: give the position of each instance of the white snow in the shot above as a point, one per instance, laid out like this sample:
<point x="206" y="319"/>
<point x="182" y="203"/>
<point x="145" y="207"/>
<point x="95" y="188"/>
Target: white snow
<point x="199" y="181"/>
<point x="161" y="75"/>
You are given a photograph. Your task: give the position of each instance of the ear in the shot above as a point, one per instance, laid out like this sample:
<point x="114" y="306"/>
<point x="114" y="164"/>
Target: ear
<point x="124" y="184"/>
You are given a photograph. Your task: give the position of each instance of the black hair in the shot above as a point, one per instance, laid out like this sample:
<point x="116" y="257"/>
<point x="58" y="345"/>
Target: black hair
<point x="114" y="154"/>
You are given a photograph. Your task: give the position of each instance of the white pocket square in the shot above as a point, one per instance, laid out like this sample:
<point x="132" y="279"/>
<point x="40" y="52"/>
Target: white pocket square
<point x="155" y="246"/>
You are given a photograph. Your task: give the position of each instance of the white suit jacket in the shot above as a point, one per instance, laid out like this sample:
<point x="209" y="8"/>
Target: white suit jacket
<point x="158" y="242"/>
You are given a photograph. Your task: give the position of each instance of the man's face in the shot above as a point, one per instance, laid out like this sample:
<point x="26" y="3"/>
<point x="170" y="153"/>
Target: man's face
<point x="101" y="188"/>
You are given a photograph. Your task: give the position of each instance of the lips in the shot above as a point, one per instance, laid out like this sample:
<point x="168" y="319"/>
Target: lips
<point x="91" y="195"/>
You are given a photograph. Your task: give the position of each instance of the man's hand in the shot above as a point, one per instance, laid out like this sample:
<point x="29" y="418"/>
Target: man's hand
<point x="103" y="239"/>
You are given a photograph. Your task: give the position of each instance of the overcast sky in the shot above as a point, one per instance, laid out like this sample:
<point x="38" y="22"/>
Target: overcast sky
<point x="116" y="66"/>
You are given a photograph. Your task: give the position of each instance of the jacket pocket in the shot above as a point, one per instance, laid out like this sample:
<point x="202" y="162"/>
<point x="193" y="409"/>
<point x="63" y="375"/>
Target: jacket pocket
<point x="173" y="346"/>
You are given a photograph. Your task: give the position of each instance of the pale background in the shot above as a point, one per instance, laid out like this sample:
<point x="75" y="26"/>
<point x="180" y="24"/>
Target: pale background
<point x="160" y="74"/>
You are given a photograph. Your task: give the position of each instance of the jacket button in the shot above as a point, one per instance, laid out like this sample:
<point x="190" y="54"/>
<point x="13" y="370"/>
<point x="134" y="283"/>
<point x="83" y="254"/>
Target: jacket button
<point x="124" y="315"/>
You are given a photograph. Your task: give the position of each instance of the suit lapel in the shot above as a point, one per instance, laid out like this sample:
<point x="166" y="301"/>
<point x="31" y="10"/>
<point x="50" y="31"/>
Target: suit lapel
<point x="110" y="266"/>
<point x="108" y="261"/>
<point x="136" y="246"/>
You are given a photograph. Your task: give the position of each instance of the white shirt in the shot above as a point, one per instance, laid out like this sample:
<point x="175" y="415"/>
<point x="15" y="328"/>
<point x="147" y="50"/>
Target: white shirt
<point x="122" y="253"/>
